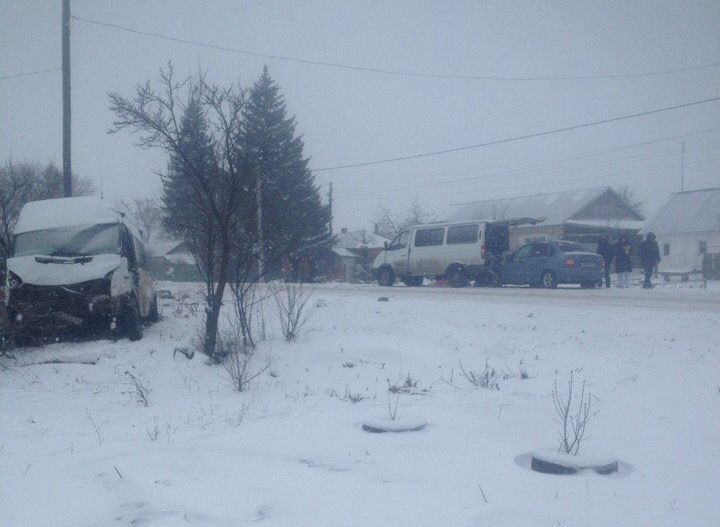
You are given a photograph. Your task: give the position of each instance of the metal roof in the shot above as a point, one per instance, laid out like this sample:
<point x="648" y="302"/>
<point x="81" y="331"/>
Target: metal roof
<point x="690" y="211"/>
<point x="556" y="208"/>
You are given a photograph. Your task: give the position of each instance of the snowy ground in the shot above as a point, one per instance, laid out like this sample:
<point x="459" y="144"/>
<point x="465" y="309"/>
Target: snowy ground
<point x="78" y="449"/>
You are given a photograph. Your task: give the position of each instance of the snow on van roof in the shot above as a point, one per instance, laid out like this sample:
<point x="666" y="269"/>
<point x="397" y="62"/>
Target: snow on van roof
<point x="64" y="212"/>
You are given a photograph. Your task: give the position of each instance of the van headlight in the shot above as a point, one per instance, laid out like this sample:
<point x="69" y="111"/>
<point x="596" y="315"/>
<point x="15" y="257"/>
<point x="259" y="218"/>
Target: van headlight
<point x="14" y="280"/>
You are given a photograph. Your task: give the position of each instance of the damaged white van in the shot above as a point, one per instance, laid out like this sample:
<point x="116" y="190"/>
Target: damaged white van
<point x="76" y="263"/>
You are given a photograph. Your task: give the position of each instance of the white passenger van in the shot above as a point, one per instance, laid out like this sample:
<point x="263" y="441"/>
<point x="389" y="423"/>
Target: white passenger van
<point x="77" y="263"/>
<point x="461" y="252"/>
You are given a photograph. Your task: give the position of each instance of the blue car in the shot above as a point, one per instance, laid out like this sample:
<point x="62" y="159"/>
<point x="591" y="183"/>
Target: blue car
<point x="547" y="264"/>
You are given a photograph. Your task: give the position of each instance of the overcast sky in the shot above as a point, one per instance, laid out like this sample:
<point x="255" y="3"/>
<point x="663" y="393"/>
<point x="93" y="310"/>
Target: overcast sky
<point x="355" y="116"/>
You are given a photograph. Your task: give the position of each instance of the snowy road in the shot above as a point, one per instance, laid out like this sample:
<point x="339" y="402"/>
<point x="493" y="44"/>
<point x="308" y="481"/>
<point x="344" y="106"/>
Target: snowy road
<point x="636" y="298"/>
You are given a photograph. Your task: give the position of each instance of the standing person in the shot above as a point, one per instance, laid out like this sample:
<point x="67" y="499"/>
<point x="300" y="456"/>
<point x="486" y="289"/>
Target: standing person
<point x="623" y="264"/>
<point x="607" y="251"/>
<point x="649" y="257"/>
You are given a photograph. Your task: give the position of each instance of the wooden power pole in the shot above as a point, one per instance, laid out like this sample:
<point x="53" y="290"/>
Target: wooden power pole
<point x="67" y="165"/>
<point x="330" y="203"/>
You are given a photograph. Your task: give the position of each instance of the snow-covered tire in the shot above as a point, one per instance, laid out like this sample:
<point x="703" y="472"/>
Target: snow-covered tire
<point x="132" y="322"/>
<point x="553" y="463"/>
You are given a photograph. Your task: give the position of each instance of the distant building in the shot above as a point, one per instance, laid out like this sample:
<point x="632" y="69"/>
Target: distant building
<point x="353" y="254"/>
<point x="687" y="229"/>
<point x="579" y="215"/>
<point x="172" y="260"/>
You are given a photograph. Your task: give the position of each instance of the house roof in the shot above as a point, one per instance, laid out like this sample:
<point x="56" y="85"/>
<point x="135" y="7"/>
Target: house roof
<point x="556" y="208"/>
<point x="343" y="253"/>
<point x="691" y="211"/>
<point x="359" y="240"/>
<point x="161" y="248"/>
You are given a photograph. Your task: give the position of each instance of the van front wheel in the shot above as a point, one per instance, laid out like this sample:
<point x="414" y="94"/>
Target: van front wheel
<point x="133" y="322"/>
<point x="457" y="277"/>
<point x="386" y="277"/>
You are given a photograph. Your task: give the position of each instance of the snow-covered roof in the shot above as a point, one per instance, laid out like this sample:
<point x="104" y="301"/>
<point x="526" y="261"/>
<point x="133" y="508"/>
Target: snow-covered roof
<point x="613" y="224"/>
<point x="556" y="208"/>
<point x="65" y="212"/>
<point x="690" y="211"/>
<point x="162" y="247"/>
<point x="359" y="240"/>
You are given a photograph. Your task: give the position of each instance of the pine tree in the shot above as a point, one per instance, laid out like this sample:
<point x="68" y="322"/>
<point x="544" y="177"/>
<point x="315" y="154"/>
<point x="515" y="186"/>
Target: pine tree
<point x="293" y="216"/>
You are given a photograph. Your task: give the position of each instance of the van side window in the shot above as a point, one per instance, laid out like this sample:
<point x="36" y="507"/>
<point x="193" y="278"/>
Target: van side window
<point x="127" y="249"/>
<point x="463" y="234"/>
<point x="400" y="242"/>
<point x="139" y="252"/>
<point x="429" y="237"/>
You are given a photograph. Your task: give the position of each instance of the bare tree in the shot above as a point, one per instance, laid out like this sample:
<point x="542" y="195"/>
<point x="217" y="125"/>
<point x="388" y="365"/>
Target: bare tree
<point x="24" y="182"/>
<point x="148" y="214"/>
<point x="292" y="309"/>
<point x="389" y="224"/>
<point x="572" y="422"/>
<point x="632" y="198"/>
<point x="198" y="125"/>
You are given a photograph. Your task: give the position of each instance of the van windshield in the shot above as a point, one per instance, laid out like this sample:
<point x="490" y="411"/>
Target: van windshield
<point x="76" y="240"/>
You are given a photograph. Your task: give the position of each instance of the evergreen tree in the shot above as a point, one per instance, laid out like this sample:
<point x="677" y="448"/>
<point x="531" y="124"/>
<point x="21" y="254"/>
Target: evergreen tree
<point x="293" y="217"/>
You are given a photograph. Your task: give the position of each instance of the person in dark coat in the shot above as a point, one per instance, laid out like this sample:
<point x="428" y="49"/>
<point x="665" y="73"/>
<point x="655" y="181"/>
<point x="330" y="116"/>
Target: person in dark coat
<point x="623" y="264"/>
<point x="607" y="251"/>
<point x="649" y="258"/>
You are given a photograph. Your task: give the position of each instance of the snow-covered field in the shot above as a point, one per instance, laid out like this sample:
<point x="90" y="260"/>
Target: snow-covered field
<point x="78" y="449"/>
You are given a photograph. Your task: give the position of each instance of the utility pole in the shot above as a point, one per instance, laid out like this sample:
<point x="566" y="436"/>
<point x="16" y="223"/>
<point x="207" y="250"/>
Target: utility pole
<point x="67" y="165"/>
<point x="682" y="168"/>
<point x="331" y="207"/>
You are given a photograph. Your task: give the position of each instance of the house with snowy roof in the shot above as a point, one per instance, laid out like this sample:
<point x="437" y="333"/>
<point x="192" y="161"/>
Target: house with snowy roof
<point x="354" y="252"/>
<point x="579" y="215"/>
<point x="687" y="227"/>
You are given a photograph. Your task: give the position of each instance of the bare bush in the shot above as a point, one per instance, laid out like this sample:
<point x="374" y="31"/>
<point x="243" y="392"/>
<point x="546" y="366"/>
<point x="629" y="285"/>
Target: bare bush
<point x="407" y="385"/>
<point x="488" y="378"/>
<point x="393" y="404"/>
<point x="142" y="392"/>
<point x="292" y="309"/>
<point x="572" y="422"/>
<point x="239" y="358"/>
<point x="346" y="396"/>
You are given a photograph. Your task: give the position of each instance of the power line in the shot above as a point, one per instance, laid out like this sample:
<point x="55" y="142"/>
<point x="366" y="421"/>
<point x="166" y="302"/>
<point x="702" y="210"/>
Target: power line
<point x="519" y="137"/>
<point x="547" y="162"/>
<point x="28" y="74"/>
<point x="397" y="73"/>
<point x="521" y="173"/>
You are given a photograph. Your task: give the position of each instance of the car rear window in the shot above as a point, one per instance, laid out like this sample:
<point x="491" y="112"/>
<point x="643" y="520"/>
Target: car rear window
<point x="428" y="237"/>
<point x="569" y="247"/>
<point x="463" y="234"/>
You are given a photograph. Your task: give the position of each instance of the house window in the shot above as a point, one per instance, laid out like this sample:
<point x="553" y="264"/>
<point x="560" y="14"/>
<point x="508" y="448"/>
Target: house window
<point x="428" y="237"/>
<point x="666" y="249"/>
<point x="702" y="248"/>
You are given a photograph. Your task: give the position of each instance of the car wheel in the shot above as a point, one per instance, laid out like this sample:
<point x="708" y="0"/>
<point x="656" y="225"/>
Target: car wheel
<point x="458" y="277"/>
<point x="548" y="280"/>
<point x="386" y="278"/>
<point x="132" y="322"/>
<point x="154" y="315"/>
